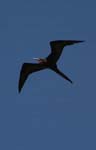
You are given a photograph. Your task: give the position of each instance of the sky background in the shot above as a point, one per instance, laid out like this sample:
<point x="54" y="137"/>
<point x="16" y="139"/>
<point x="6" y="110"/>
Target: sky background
<point x="49" y="113"/>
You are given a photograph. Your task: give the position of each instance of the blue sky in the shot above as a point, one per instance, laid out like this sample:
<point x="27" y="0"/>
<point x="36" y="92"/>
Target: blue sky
<point x="50" y="113"/>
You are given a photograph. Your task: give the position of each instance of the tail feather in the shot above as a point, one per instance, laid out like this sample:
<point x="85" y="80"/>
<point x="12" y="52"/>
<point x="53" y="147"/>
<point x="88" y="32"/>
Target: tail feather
<point x="61" y="74"/>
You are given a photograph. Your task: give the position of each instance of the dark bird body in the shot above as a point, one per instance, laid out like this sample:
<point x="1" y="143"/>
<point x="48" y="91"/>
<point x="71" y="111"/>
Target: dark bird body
<point x="47" y="63"/>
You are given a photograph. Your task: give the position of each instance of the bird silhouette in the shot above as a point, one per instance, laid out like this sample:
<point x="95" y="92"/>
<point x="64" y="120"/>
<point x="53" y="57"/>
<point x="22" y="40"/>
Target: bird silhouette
<point x="50" y="62"/>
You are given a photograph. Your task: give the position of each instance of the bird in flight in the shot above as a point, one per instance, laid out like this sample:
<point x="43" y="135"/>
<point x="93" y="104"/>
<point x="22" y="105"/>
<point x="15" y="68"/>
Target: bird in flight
<point x="50" y="62"/>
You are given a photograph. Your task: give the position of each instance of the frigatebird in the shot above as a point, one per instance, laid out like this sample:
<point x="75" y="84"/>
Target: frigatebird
<point x="46" y="63"/>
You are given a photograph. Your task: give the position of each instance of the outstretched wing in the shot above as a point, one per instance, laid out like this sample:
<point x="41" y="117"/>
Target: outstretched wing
<point x="57" y="47"/>
<point x="26" y="69"/>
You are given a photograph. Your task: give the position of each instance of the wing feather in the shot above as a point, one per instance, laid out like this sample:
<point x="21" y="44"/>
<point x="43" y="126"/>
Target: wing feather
<point x="57" y="48"/>
<point x="26" y="70"/>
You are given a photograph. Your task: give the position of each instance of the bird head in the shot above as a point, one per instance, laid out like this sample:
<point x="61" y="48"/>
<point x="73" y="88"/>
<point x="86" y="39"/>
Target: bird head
<point x="40" y="60"/>
<point x="36" y="59"/>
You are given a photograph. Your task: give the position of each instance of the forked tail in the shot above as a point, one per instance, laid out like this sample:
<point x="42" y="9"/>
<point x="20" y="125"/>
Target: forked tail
<point x="61" y="74"/>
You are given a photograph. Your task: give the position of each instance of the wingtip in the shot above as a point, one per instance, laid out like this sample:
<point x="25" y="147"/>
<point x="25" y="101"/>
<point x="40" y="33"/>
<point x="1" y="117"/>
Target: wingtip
<point x="19" y="90"/>
<point x="80" y="41"/>
<point x="69" y="42"/>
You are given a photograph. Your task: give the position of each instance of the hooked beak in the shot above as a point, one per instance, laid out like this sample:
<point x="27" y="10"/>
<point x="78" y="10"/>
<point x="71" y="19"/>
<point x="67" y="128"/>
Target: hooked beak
<point x="36" y="58"/>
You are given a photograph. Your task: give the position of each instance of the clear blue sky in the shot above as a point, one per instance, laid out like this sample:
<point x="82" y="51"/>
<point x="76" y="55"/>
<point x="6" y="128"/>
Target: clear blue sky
<point x="50" y="113"/>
